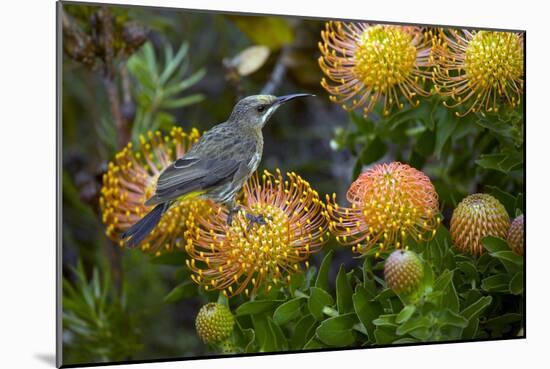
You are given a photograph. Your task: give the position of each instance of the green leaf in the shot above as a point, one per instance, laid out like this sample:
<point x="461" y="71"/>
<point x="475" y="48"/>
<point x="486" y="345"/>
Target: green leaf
<point x="425" y="144"/>
<point x="496" y="283"/>
<point x="264" y="337"/>
<point x="373" y="151"/>
<point x="343" y="292"/>
<point x="368" y="282"/>
<point x="296" y="281"/>
<point x="451" y="318"/>
<point x="181" y="291"/>
<point x="322" y="276"/>
<point x="405" y="314"/>
<point x="365" y="126"/>
<point x="280" y="341"/>
<point x="302" y="331"/>
<point x="445" y="123"/>
<point x="501" y="129"/>
<point x="471" y="330"/>
<point x="405" y="340"/>
<point x="516" y="284"/>
<point x="257" y="307"/>
<point x="385" y="335"/>
<point x="385" y="320"/>
<point x="366" y="310"/>
<point x="500" y="250"/>
<point x="505" y="198"/>
<point x="182" y="101"/>
<point x="173" y="63"/>
<point x="504" y="162"/>
<point x="443" y="281"/>
<point x="337" y="331"/>
<point x="318" y="299"/>
<point x="494" y="244"/>
<point x="314" y="343"/>
<point x="150" y="59"/>
<point x="288" y="311"/>
<point x="422" y="322"/>
<point x="244" y="338"/>
<point x="504" y="320"/>
<point x="185" y="84"/>
<point x="469" y="270"/>
<point x="474" y="310"/>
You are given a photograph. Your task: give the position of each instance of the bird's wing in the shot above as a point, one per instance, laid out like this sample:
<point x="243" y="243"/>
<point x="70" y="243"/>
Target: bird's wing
<point x="190" y="174"/>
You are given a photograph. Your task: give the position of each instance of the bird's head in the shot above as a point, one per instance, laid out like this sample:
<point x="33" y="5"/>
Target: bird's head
<point x="254" y="111"/>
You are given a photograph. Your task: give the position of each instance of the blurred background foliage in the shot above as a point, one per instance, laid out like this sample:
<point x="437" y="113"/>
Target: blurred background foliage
<point x="128" y="70"/>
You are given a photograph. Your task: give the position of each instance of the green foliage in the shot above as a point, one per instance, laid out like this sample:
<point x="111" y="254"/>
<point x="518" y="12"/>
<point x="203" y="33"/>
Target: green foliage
<point x="457" y="303"/>
<point x="96" y="318"/>
<point x="160" y="85"/>
<point x="457" y="152"/>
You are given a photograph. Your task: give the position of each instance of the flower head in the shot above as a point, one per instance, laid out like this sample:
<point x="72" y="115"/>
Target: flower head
<point x="516" y="236"/>
<point x="130" y="180"/>
<point x="242" y="256"/>
<point x="389" y="203"/>
<point x="480" y="69"/>
<point x="366" y="63"/>
<point x="403" y="271"/>
<point x="214" y="323"/>
<point x="477" y="216"/>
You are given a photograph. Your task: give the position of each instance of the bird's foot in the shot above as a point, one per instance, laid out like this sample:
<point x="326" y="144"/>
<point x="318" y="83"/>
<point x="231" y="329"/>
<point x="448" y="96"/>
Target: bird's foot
<point x="231" y="214"/>
<point x="256" y="219"/>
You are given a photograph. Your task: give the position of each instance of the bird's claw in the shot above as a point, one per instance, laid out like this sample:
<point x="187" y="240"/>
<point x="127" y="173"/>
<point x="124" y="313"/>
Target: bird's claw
<point x="256" y="219"/>
<point x="231" y="214"/>
<point x="252" y="219"/>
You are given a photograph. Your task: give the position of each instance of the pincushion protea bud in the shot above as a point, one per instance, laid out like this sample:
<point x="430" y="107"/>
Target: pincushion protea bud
<point x="516" y="235"/>
<point x="214" y="323"/>
<point x="403" y="271"/>
<point x="477" y="216"/>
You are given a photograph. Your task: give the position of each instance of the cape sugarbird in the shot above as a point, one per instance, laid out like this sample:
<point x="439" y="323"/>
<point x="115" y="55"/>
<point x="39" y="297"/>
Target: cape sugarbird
<point x="216" y="167"/>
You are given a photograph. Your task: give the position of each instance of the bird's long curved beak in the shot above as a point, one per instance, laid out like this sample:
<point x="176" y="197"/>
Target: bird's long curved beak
<point x="286" y="98"/>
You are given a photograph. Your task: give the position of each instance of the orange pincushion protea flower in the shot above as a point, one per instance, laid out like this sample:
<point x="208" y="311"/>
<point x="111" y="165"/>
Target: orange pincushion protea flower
<point x="481" y="69"/>
<point x="130" y="180"/>
<point x="243" y="256"/>
<point x="389" y="203"/>
<point x="366" y="63"/>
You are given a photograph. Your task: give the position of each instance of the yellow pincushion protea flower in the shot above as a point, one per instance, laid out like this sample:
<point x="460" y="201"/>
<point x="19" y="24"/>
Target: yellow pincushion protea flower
<point x="366" y="63"/>
<point x="243" y="256"/>
<point x="389" y="203"/>
<point x="480" y="70"/>
<point x="130" y="180"/>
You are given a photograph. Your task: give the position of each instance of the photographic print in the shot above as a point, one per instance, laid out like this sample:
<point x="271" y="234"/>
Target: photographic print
<point x="236" y="184"/>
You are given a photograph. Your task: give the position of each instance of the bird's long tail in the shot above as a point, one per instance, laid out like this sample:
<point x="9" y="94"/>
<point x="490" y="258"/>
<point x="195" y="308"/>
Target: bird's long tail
<point x="137" y="233"/>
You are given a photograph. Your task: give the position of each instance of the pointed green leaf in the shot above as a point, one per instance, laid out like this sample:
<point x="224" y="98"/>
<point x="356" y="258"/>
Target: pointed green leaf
<point x="516" y="284"/>
<point x="405" y="314"/>
<point x="322" y="276"/>
<point x="343" y="292"/>
<point x="288" y="311"/>
<point x="366" y="310"/>
<point x="302" y="332"/>
<point x="318" y="299"/>
<point x="181" y="291"/>
<point x="338" y="331"/>
<point x="257" y="307"/>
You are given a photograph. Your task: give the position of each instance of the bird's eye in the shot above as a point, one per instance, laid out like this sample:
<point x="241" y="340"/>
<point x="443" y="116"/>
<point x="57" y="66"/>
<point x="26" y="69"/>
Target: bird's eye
<point x="261" y="108"/>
